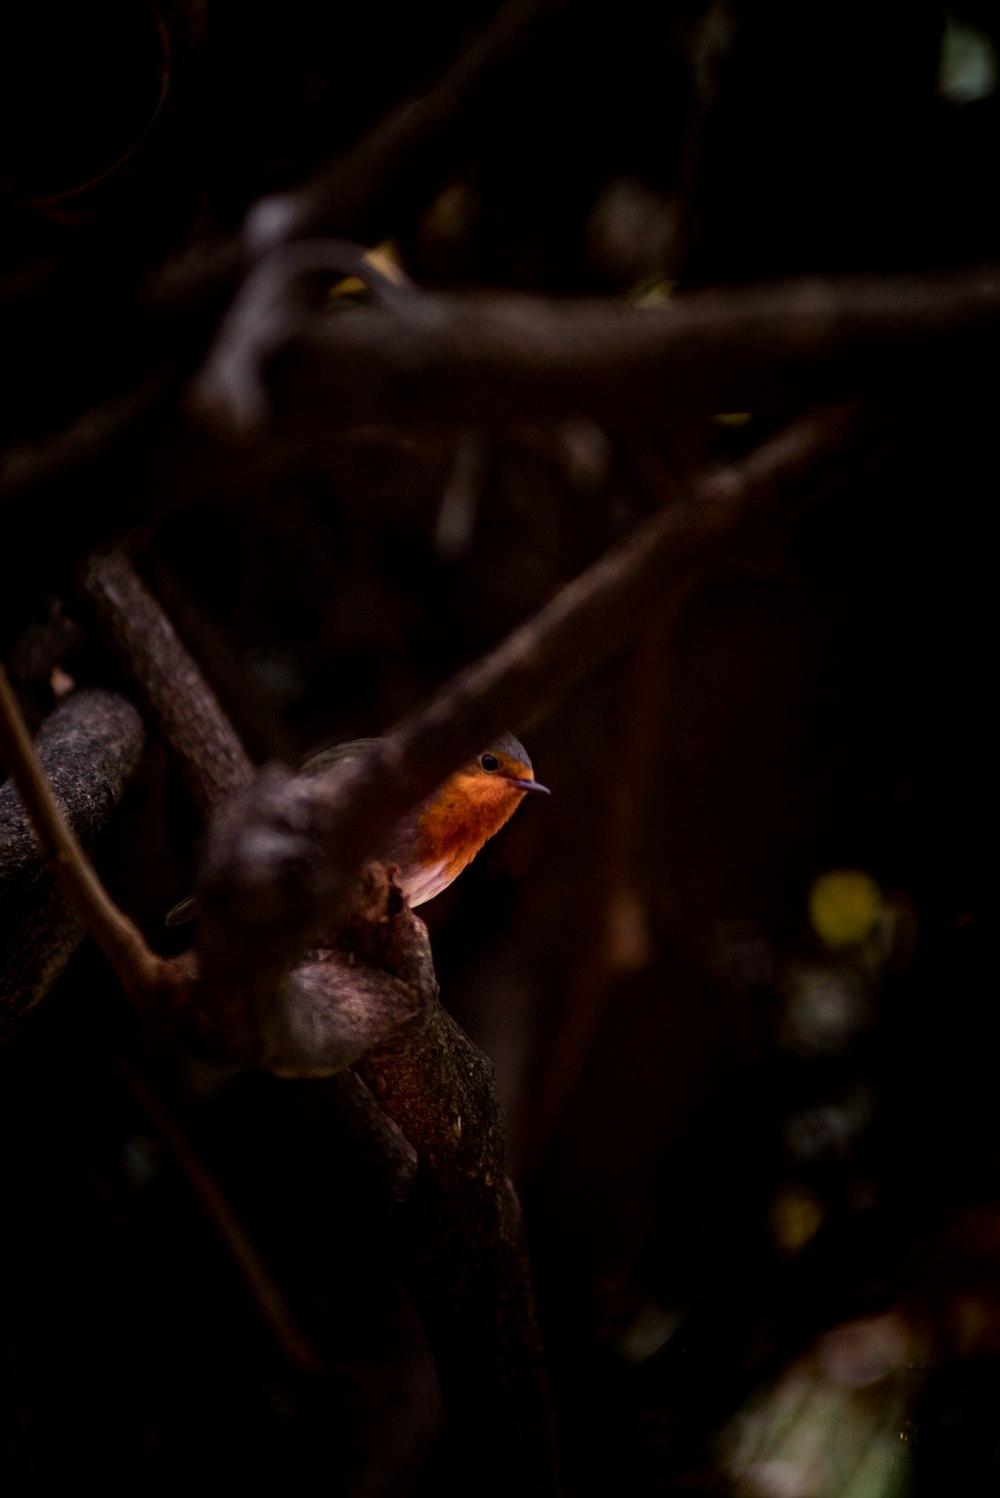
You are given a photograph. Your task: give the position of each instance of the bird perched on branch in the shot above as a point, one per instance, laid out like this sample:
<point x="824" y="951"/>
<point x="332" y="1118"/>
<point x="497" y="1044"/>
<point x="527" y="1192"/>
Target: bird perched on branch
<point x="442" y="835"/>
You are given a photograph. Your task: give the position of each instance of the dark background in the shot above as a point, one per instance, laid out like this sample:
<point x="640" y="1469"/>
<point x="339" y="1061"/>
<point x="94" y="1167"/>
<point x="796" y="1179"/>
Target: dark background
<point x="730" y="1138"/>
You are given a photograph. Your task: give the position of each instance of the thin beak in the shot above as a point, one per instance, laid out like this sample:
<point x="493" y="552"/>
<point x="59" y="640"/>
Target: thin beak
<point x="531" y="785"/>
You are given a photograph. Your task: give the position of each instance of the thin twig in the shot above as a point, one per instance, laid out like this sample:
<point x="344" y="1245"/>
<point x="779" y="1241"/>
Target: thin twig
<point x="261" y="1285"/>
<point x="400" y="161"/>
<point x="90" y="436"/>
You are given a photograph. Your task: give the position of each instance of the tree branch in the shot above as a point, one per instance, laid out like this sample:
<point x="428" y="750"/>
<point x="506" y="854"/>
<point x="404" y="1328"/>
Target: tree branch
<point x="400" y="161"/>
<point x="179" y="703"/>
<point x="463" y="1255"/>
<point x="263" y="1289"/>
<point x="369" y="995"/>
<point x="89" y="748"/>
<point x="451" y="361"/>
<point x="281" y="855"/>
<point x="436" y="359"/>
<point x="139" y="970"/>
<point x="351" y="996"/>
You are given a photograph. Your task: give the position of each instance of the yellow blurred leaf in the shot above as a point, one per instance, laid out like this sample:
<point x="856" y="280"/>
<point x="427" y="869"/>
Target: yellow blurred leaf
<point x="653" y="291"/>
<point x="844" y="905"/>
<point x="796" y="1216"/>
<point x="384" y="257"/>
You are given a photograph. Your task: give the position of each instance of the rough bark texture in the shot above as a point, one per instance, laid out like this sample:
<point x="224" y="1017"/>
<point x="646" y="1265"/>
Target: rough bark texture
<point x="366" y="995"/>
<point x="89" y="747"/>
<point x="173" y="692"/>
<point x="463" y="1255"/>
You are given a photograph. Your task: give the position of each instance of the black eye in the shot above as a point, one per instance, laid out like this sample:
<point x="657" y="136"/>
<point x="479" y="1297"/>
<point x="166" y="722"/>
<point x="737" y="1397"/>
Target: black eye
<point x="489" y="762"/>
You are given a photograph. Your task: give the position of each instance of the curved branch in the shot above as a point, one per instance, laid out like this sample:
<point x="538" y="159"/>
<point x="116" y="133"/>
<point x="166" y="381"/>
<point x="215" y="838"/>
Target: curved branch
<point x="374" y="978"/>
<point x="370" y="996"/>
<point x="282" y="854"/>
<point x="44" y="932"/>
<point x="269" y="307"/>
<point x="88" y="749"/>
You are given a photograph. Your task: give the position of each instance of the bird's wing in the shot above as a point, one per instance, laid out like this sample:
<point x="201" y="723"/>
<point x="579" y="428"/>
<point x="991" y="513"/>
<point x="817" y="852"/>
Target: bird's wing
<point x="336" y="753"/>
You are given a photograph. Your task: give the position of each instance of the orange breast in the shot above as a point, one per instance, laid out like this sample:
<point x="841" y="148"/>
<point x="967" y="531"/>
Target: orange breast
<point x="465" y="814"/>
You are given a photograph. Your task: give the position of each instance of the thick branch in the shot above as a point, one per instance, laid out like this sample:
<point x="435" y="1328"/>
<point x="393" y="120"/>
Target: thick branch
<point x="41" y="932"/>
<point x="459" y="361"/>
<point x="464" y="1255"/>
<point x="181" y="706"/>
<point x="438" y="359"/>
<point x="281" y="855"/>
<point x="364" y="192"/>
<point x="371" y="996"/>
<point x="372" y="983"/>
<point x="394" y="168"/>
<point x="374" y="979"/>
<point x="89" y="748"/>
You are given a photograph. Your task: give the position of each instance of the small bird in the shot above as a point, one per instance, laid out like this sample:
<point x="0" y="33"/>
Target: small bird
<point x="442" y="836"/>
<point x="432" y="846"/>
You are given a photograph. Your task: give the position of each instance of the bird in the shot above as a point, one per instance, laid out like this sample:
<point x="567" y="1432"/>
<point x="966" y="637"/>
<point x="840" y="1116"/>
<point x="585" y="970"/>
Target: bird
<point x="432" y="845"/>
